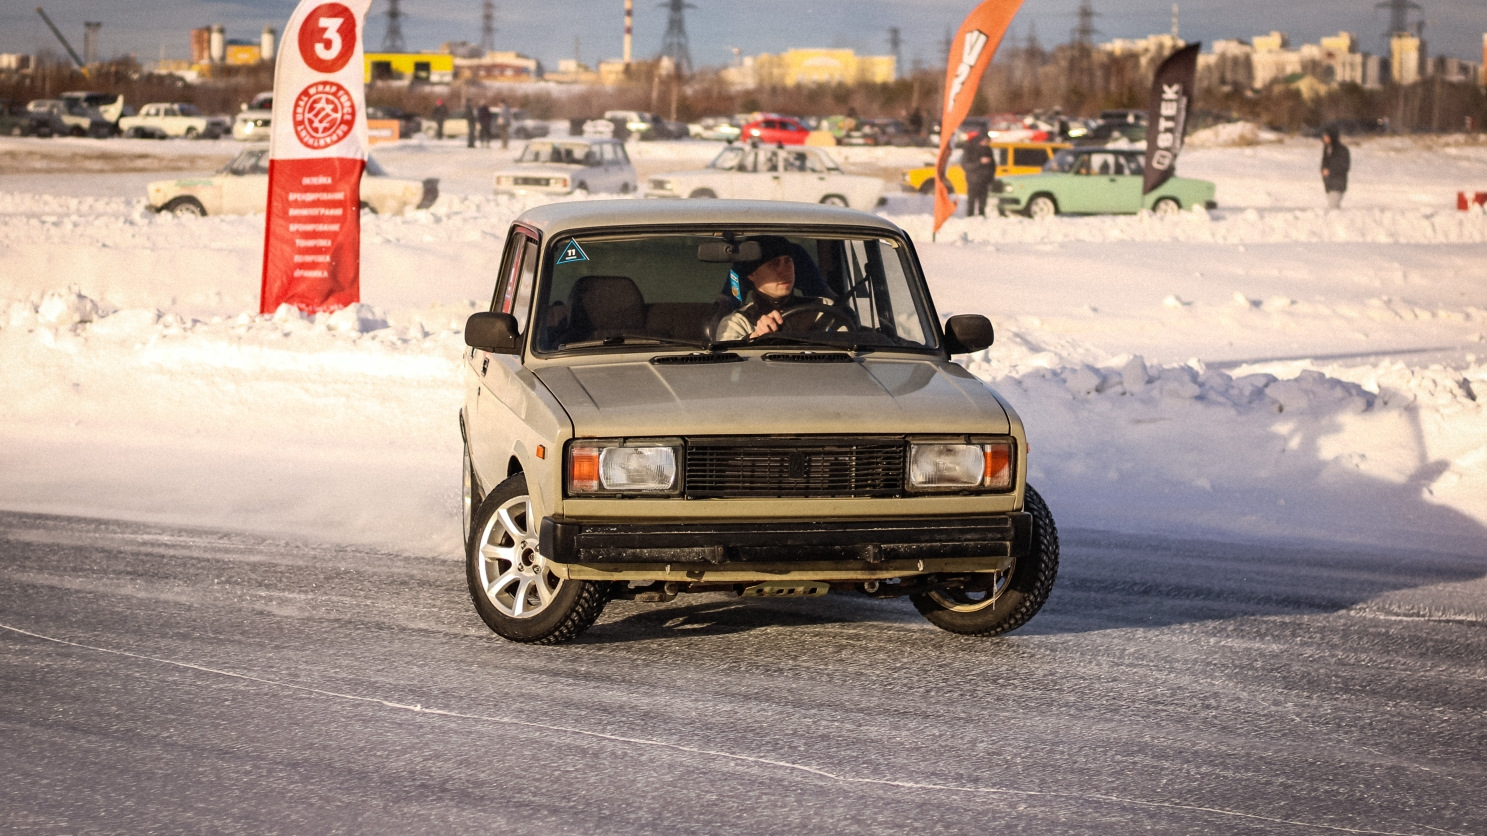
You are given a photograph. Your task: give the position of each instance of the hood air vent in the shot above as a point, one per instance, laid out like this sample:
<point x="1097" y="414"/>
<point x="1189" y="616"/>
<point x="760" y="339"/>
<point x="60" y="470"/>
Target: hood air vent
<point x="808" y="357"/>
<point x="694" y="359"/>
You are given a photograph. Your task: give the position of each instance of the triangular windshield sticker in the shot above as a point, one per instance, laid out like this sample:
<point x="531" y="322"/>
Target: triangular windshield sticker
<point x="572" y="253"/>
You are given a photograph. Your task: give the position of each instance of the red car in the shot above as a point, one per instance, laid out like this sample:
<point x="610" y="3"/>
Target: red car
<point x="775" y="130"/>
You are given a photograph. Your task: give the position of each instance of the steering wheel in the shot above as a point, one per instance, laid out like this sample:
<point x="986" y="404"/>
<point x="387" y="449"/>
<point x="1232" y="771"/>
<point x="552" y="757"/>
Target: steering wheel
<point x="841" y="315"/>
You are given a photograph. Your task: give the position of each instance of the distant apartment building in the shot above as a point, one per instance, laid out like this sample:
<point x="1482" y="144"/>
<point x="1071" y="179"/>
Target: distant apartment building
<point x="1406" y="58"/>
<point x="16" y="62"/>
<point x="1269" y="59"/>
<point x="801" y="67"/>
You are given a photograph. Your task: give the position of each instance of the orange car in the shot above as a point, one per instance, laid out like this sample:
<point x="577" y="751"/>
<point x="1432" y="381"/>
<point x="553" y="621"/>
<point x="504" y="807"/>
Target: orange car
<point x="1011" y="158"/>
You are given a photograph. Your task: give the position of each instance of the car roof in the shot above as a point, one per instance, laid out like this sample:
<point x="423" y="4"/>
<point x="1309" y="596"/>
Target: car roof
<point x="556" y="218"/>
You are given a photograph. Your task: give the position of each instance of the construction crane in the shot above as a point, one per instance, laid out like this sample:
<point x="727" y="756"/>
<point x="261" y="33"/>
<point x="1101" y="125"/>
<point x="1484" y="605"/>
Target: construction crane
<point x="58" y="32"/>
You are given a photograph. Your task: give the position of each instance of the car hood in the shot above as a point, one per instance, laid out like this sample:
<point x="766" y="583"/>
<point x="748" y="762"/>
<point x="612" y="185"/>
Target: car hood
<point x="768" y="397"/>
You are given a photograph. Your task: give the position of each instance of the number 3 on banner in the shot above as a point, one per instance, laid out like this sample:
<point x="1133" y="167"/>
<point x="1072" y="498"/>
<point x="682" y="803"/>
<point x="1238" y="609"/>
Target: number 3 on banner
<point x="330" y="46"/>
<point x="324" y="42"/>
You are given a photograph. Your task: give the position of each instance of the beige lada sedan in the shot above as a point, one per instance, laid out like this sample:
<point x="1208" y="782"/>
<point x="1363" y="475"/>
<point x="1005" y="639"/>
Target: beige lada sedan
<point x="241" y="188"/>
<point x="746" y="397"/>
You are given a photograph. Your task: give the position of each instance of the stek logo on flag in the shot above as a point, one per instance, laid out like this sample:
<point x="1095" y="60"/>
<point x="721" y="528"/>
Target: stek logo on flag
<point x="317" y="152"/>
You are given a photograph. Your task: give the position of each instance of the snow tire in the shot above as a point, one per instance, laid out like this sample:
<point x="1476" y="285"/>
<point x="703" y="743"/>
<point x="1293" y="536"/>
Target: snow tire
<point x="1024" y="594"/>
<point x="513" y="587"/>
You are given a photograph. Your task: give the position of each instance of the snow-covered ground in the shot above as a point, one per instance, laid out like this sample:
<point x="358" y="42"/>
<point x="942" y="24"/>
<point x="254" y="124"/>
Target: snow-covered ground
<point x="1264" y="370"/>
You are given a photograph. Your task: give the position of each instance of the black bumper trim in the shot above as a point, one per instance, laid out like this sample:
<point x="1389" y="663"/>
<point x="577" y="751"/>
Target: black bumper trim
<point x="867" y="540"/>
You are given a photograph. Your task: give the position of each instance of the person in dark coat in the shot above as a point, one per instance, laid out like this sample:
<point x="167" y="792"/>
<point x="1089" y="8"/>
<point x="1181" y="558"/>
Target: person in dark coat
<point x="441" y="113"/>
<point x="471" y="124"/>
<point x="1335" y="164"/>
<point x="485" y="126"/>
<point x="979" y="164"/>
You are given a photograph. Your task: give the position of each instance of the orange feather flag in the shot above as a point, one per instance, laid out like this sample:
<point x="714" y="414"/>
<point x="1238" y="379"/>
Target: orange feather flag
<point x="970" y="52"/>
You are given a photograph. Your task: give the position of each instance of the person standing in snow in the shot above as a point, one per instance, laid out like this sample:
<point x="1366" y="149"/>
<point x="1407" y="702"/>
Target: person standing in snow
<point x="1335" y="164"/>
<point x="441" y="114"/>
<point x="979" y="164"/>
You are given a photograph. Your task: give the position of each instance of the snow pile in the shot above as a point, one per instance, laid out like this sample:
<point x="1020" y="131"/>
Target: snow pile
<point x="1266" y="370"/>
<point x="1232" y="135"/>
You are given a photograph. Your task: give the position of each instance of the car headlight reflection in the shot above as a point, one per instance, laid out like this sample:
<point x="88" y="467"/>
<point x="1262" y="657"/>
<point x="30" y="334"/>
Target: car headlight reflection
<point x="958" y="466"/>
<point x="619" y="467"/>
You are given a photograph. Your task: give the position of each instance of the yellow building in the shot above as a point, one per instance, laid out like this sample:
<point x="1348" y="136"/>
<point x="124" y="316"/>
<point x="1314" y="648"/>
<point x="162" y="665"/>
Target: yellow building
<point x="431" y="67"/>
<point x="822" y="66"/>
<point x="1406" y="57"/>
<point x="242" y="55"/>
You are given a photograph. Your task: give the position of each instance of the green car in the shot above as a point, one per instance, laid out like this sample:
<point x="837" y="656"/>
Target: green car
<point x="1098" y="181"/>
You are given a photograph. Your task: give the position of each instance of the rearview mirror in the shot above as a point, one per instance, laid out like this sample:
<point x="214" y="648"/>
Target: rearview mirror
<point x="726" y="252"/>
<point x="493" y="332"/>
<point x="968" y="333"/>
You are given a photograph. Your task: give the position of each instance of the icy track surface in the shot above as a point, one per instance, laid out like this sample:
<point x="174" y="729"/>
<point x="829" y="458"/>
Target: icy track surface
<point x="1265" y="370"/>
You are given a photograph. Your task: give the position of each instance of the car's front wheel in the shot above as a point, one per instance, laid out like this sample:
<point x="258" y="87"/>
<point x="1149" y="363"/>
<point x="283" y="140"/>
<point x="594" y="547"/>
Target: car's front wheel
<point x="1166" y="206"/>
<point x="1006" y="600"/>
<point x="188" y="207"/>
<point x="703" y="193"/>
<point x="512" y="584"/>
<point x="1041" y="206"/>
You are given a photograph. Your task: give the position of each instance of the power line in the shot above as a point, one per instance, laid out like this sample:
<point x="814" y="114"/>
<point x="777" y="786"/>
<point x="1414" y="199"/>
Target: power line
<point x="488" y="26"/>
<point x="392" y="40"/>
<point x="674" y="45"/>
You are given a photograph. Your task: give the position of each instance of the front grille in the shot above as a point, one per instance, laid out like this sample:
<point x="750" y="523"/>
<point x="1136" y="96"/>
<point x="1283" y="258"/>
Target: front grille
<point x="821" y="468"/>
<point x="530" y="181"/>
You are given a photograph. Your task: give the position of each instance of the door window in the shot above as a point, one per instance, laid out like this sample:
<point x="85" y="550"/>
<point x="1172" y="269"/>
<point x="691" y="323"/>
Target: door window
<point x="1034" y="157"/>
<point x="514" y="290"/>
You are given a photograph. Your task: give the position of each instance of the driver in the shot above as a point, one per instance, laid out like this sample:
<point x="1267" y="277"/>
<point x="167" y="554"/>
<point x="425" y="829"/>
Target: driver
<point x="771" y="294"/>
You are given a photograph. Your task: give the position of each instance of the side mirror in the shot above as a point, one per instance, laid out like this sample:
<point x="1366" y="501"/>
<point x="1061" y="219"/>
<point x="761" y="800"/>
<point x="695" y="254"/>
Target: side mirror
<point x="493" y="332"/>
<point x="967" y="333"/>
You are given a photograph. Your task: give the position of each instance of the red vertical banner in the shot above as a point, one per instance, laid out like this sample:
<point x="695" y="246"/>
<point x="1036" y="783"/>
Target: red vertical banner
<point x="970" y="52"/>
<point x="317" y="152"/>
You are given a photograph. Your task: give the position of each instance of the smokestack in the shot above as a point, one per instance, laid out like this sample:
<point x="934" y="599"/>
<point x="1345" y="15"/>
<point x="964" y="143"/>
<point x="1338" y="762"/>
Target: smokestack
<point x="218" y="49"/>
<point x="629" y="26"/>
<point x="266" y="43"/>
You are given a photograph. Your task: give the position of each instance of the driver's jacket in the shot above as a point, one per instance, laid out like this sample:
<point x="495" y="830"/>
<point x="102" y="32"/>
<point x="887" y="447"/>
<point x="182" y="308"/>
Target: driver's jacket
<point x="740" y="324"/>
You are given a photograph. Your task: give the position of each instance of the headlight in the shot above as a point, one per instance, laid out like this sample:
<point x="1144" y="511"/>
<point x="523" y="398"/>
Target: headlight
<point x="958" y="466"/>
<point x="504" y="180"/>
<point x="619" y="467"/>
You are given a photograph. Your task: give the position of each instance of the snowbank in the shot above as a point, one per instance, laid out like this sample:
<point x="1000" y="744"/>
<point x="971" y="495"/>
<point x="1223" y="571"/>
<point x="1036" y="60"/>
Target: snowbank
<point x="1262" y="371"/>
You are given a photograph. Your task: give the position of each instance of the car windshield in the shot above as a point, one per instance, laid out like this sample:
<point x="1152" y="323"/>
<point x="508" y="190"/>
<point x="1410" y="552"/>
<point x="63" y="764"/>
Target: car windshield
<point x="571" y="153"/>
<point x="637" y="291"/>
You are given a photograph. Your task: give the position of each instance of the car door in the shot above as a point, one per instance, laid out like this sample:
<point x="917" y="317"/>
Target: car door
<point x="802" y="176"/>
<point x="495" y="402"/>
<point x="1092" y="185"/>
<point x="1126" y="196"/>
<point x="770" y="177"/>
<point x="245" y="185"/>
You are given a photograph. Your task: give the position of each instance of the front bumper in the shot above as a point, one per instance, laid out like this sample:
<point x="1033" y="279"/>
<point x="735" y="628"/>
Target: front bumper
<point x="762" y="549"/>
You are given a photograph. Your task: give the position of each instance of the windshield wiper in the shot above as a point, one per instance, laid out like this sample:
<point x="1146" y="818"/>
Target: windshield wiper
<point x="637" y="339"/>
<point x="776" y="338"/>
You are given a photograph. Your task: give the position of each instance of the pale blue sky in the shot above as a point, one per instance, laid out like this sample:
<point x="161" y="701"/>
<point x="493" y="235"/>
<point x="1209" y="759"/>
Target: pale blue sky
<point x="546" y="30"/>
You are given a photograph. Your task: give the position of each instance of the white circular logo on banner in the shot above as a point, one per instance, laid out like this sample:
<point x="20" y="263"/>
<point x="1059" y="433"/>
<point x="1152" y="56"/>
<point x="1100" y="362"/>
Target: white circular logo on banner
<point x="324" y="114"/>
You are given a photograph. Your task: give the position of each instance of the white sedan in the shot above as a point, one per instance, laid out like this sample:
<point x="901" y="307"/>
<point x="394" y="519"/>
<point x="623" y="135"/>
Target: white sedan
<point x="241" y="188"/>
<point x="579" y="165"/>
<point x="803" y="174"/>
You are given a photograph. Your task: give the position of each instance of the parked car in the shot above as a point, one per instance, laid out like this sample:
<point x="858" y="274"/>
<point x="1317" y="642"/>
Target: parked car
<point x="643" y="125"/>
<point x="109" y="105"/>
<point x="241" y="188"/>
<point x="16" y="120"/>
<point x="253" y="122"/>
<point x="1107" y="133"/>
<point x="614" y="447"/>
<point x="724" y="128"/>
<point x="1011" y="158"/>
<point x="160" y="120"/>
<point x="1085" y="181"/>
<point x="882" y="132"/>
<point x="804" y="174"/>
<point x="776" y="130"/>
<point x="567" y="166"/>
<point x="78" y="120"/>
<point x="409" y="124"/>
